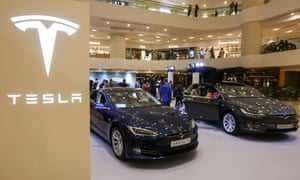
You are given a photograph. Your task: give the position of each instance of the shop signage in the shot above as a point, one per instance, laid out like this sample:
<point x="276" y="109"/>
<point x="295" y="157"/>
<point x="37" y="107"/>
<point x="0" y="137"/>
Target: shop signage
<point x="47" y="37"/>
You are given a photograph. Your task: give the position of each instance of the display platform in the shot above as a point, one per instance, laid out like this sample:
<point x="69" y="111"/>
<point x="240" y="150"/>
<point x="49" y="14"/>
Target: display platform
<point x="218" y="156"/>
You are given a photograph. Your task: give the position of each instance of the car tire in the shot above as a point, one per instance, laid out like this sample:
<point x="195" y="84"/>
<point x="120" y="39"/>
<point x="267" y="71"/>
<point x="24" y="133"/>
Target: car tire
<point x="230" y="124"/>
<point x="118" y="143"/>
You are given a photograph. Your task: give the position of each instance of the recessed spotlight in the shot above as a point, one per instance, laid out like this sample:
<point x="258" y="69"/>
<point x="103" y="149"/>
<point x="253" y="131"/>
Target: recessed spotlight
<point x="275" y="29"/>
<point x="147" y="27"/>
<point x="225" y="2"/>
<point x="229" y="34"/>
<point x="209" y="36"/>
<point x="289" y="31"/>
<point x="192" y="37"/>
<point x="174" y="39"/>
<point x="128" y="25"/>
<point x="165" y="29"/>
<point x="107" y="22"/>
<point x="141" y="35"/>
<point x="94" y="30"/>
<point x="204" y="5"/>
<point x="94" y="43"/>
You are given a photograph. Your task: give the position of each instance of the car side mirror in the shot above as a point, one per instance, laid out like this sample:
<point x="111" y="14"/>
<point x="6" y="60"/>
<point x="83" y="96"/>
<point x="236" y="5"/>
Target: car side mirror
<point x="101" y="106"/>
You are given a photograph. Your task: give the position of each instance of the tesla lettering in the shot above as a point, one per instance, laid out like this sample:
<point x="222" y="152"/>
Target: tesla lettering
<point x="47" y="36"/>
<point x="47" y="98"/>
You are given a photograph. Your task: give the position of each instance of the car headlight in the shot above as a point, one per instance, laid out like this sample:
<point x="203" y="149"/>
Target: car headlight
<point x="251" y="112"/>
<point x="193" y="124"/>
<point x="141" y="131"/>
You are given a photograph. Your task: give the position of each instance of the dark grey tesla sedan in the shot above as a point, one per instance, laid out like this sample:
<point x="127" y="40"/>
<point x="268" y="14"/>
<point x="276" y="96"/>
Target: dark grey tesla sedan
<point x="137" y="126"/>
<point x="241" y="108"/>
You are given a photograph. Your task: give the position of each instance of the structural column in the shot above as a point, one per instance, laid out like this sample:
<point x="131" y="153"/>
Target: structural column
<point x="196" y="78"/>
<point x="251" y="32"/>
<point x="170" y="76"/>
<point x="117" y="46"/>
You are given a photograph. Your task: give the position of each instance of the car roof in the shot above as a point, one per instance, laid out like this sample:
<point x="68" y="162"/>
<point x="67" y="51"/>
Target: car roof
<point x="119" y="89"/>
<point x="234" y="83"/>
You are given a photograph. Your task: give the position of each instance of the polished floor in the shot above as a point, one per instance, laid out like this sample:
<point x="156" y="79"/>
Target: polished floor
<point x="218" y="156"/>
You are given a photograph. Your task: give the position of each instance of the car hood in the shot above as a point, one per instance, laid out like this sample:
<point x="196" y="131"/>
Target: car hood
<point x="266" y="106"/>
<point x="162" y="119"/>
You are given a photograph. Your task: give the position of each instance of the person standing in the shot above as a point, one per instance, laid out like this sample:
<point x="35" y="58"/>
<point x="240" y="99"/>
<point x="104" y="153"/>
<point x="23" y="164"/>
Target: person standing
<point x="189" y="10"/>
<point x="178" y="94"/>
<point x="153" y="86"/>
<point x="196" y="10"/>
<point x="165" y="93"/>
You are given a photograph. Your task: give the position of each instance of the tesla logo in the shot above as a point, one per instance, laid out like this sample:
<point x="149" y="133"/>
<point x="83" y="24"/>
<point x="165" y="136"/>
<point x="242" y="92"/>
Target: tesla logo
<point x="47" y="36"/>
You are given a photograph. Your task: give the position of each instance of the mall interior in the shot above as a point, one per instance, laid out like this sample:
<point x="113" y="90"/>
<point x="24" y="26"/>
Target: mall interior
<point x="254" y="41"/>
<point x="159" y="38"/>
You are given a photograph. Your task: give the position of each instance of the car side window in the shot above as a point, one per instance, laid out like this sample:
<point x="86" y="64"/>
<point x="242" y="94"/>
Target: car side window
<point x="209" y="92"/>
<point x="101" y="99"/>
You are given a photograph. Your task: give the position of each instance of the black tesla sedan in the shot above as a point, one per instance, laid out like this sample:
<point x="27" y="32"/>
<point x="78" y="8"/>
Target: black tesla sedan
<point x="137" y="126"/>
<point x="241" y="108"/>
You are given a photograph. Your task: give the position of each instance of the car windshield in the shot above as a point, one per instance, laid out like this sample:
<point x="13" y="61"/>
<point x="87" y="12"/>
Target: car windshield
<point x="132" y="99"/>
<point x="239" y="91"/>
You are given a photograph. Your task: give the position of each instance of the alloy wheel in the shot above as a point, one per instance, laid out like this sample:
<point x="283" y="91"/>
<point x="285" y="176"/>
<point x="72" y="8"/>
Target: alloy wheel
<point x="230" y="124"/>
<point x="117" y="143"/>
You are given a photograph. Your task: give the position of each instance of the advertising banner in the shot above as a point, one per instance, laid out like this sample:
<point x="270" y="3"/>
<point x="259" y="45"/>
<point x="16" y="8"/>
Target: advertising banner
<point x="44" y="90"/>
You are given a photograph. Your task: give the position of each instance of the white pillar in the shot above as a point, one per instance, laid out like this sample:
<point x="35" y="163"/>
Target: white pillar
<point x="117" y="46"/>
<point x="170" y="76"/>
<point x="195" y="78"/>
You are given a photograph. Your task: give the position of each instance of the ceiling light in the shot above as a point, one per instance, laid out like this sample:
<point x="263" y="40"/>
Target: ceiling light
<point x="94" y="43"/>
<point x="142" y="40"/>
<point x="147" y="27"/>
<point x="158" y="40"/>
<point x="229" y="34"/>
<point x="92" y="35"/>
<point x="128" y="25"/>
<point x="209" y="36"/>
<point x="289" y="31"/>
<point x="107" y="22"/>
<point x="152" y="9"/>
<point x="157" y="37"/>
<point x="191" y="37"/>
<point x="165" y="10"/>
<point x="165" y="29"/>
<point x="141" y="35"/>
<point x="174" y="39"/>
<point x="225" y="2"/>
<point x="275" y="29"/>
<point x="204" y="5"/>
<point x="94" y="30"/>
